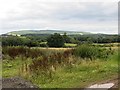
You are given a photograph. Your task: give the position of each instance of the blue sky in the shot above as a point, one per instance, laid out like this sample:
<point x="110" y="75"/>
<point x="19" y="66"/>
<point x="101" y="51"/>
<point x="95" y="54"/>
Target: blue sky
<point x="95" y="17"/>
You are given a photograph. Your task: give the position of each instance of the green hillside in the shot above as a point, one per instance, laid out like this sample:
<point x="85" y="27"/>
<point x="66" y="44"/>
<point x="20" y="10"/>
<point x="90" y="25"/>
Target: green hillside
<point x="22" y="32"/>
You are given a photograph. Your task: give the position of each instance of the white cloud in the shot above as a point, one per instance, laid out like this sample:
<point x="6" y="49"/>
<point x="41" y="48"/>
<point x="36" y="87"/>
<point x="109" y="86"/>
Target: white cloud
<point x="38" y="14"/>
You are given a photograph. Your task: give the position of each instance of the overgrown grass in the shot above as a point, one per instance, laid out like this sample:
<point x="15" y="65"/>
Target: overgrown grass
<point x="10" y="68"/>
<point x="60" y="69"/>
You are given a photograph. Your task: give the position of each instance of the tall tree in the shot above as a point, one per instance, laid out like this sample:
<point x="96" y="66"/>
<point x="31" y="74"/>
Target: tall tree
<point x="55" y="40"/>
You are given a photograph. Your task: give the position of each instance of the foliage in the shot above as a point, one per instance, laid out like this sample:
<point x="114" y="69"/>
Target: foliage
<point x="55" y="40"/>
<point x="34" y="40"/>
<point x="66" y="38"/>
<point x="13" y="41"/>
<point x="91" y="52"/>
<point x="97" y="38"/>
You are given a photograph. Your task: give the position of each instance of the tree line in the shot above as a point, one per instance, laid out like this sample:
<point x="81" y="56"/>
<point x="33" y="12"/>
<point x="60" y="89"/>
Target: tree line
<point x="56" y="40"/>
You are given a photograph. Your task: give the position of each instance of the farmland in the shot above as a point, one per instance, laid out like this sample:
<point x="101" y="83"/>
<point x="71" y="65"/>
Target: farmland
<point x="60" y="61"/>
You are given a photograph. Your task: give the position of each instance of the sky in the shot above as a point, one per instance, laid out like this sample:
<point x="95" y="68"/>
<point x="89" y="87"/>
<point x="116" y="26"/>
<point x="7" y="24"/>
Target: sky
<point x="96" y="16"/>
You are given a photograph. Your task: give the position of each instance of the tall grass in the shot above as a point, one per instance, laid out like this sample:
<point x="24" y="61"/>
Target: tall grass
<point x="46" y="67"/>
<point x="25" y="52"/>
<point x="43" y="61"/>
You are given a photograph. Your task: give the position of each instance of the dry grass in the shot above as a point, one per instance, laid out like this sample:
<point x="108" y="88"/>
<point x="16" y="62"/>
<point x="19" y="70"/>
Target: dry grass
<point x="55" y="48"/>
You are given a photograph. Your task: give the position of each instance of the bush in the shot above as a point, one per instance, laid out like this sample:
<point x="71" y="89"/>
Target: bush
<point x="86" y="51"/>
<point x="92" y="52"/>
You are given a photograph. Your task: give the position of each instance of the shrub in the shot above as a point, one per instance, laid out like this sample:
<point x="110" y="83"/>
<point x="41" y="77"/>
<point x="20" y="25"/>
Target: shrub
<point x="89" y="51"/>
<point x="86" y="51"/>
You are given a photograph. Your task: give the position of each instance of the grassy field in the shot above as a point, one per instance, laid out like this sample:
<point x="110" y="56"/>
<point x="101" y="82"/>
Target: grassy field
<point x="65" y="45"/>
<point x="55" y="49"/>
<point x="70" y="45"/>
<point x="61" y="69"/>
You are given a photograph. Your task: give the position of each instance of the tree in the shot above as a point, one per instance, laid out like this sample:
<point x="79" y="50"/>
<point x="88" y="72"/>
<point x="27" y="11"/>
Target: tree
<point x="32" y="43"/>
<point x="66" y="38"/>
<point x="55" y="40"/>
<point x="89" y="40"/>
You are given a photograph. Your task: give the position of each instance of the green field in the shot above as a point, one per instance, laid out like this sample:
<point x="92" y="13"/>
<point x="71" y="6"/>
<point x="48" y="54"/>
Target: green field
<point x="59" y="68"/>
<point x="70" y="45"/>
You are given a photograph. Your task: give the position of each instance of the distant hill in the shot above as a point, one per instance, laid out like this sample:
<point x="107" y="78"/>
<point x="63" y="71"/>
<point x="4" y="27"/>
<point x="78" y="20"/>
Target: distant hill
<point x="23" y="32"/>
